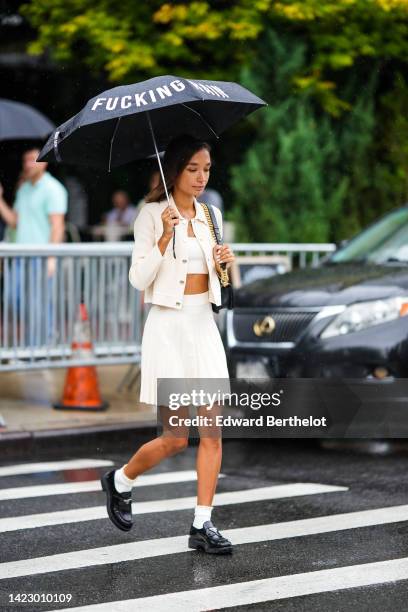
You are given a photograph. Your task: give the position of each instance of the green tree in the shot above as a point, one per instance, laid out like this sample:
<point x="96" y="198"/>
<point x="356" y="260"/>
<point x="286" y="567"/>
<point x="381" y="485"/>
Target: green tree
<point x="288" y="187"/>
<point x="356" y="161"/>
<point x="393" y="134"/>
<point x="212" y="39"/>
<point x="307" y="176"/>
<point x="329" y="154"/>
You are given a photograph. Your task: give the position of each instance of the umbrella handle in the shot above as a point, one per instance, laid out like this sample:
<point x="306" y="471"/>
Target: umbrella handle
<point x="162" y="174"/>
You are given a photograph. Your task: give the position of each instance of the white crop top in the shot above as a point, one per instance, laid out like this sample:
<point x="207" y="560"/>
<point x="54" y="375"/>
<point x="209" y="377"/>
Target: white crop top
<point x="196" y="257"/>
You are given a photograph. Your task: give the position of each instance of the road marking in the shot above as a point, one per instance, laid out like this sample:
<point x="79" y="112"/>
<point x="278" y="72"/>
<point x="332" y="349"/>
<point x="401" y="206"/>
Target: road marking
<point x="258" y="591"/>
<point x="52" y="466"/>
<point x="144" y="480"/>
<point x="168" y="546"/>
<point x="93" y="513"/>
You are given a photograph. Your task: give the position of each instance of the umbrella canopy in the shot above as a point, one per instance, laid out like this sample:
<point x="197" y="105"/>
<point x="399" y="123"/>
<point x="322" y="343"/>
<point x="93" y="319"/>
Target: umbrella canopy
<point x="133" y="121"/>
<point x="20" y="121"/>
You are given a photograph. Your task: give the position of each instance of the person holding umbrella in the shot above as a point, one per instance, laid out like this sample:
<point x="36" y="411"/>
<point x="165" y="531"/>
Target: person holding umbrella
<point x="180" y="337"/>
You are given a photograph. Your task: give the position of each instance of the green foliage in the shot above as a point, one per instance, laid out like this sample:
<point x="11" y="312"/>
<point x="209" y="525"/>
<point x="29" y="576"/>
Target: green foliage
<point x="307" y="177"/>
<point x="128" y="40"/>
<point x="393" y="134"/>
<point x="329" y="154"/>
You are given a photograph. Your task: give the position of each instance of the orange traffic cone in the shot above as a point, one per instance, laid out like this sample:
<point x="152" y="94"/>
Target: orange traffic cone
<point x="81" y="390"/>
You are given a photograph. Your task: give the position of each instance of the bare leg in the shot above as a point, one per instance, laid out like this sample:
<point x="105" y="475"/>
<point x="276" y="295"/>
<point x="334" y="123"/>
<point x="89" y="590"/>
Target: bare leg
<point x="209" y="457"/>
<point x="172" y="441"/>
<point x="152" y="453"/>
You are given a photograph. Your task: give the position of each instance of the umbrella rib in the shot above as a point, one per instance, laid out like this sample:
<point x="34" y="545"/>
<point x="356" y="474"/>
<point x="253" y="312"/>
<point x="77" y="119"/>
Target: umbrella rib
<point x="201" y="117"/>
<point x="55" y="143"/>
<point x="111" y="143"/>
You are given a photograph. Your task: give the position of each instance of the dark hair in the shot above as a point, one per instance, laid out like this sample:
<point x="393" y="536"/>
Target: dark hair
<point x="120" y="190"/>
<point x="177" y="155"/>
<point x="30" y="148"/>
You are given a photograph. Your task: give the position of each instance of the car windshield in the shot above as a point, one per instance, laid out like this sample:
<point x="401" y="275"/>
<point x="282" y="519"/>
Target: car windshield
<point x="384" y="241"/>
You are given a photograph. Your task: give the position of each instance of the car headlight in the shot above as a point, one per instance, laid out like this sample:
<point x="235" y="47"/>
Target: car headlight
<point x="366" y="314"/>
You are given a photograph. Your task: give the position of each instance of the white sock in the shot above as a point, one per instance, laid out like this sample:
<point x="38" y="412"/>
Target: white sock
<point x="201" y="514"/>
<point x="122" y="482"/>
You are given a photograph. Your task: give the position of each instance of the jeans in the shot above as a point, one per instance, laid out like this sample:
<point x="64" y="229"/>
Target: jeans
<point x="30" y="297"/>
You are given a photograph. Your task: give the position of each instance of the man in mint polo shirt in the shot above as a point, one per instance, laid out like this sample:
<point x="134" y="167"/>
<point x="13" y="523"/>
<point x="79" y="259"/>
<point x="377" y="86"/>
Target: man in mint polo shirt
<point x="38" y="218"/>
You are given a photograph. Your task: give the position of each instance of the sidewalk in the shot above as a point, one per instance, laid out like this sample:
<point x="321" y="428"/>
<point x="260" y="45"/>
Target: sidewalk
<point x="32" y="425"/>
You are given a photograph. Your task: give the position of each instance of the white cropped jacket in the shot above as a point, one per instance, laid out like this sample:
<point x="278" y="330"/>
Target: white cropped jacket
<point x="163" y="277"/>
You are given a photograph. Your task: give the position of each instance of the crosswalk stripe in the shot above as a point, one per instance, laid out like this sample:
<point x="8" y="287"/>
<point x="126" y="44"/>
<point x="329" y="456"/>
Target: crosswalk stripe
<point x="44" y="519"/>
<point x="95" y="485"/>
<point x="178" y="544"/>
<point x="52" y="466"/>
<point x="258" y="591"/>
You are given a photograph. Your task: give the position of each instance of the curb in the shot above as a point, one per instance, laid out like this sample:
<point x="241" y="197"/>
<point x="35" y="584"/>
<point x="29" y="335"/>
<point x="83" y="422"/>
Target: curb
<point x="93" y="439"/>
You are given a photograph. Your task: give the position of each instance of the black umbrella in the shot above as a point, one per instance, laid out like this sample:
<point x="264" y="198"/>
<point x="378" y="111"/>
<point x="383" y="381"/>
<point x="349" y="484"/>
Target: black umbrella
<point x="134" y="121"/>
<point x="20" y="121"/>
<point x="115" y="127"/>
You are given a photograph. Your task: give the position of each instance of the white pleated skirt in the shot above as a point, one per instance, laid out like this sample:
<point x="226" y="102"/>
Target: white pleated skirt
<point x="181" y="344"/>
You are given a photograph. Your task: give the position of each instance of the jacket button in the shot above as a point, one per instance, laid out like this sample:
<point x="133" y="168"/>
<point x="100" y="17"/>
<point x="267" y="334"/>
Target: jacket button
<point x="178" y="303"/>
<point x="184" y="260"/>
<point x="181" y="281"/>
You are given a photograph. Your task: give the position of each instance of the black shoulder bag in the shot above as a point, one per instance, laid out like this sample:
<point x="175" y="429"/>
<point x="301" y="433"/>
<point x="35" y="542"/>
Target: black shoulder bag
<point x="227" y="294"/>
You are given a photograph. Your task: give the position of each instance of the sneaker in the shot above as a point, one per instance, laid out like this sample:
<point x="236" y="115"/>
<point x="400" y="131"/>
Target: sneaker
<point x="118" y="505"/>
<point x="209" y="539"/>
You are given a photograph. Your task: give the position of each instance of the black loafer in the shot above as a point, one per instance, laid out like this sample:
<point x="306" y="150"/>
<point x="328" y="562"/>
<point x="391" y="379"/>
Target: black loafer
<point x="118" y="505"/>
<point x="209" y="539"/>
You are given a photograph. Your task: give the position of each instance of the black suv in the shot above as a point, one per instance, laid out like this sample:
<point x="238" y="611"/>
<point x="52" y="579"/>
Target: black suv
<point x="345" y="318"/>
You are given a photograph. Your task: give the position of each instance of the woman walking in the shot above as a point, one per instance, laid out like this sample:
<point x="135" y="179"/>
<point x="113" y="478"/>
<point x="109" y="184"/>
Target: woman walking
<point x="180" y="338"/>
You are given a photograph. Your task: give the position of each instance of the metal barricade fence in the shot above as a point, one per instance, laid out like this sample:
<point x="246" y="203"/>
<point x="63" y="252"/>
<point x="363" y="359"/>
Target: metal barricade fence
<point x="300" y="255"/>
<point x="38" y="312"/>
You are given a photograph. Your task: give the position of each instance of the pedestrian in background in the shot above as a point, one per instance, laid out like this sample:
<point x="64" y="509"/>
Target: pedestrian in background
<point x="38" y="218"/>
<point x="39" y="207"/>
<point x="123" y="211"/>
<point x="78" y="203"/>
<point x="153" y="182"/>
<point x="212" y="196"/>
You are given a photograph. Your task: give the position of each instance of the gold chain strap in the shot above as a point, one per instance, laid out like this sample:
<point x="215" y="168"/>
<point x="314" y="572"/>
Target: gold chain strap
<point x="224" y="278"/>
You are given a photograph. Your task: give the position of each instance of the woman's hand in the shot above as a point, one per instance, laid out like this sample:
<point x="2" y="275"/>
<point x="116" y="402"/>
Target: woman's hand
<point x="223" y="253"/>
<point x="169" y="218"/>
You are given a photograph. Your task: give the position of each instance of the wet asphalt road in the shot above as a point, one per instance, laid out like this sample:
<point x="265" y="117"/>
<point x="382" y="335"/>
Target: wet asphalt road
<point x="49" y="541"/>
